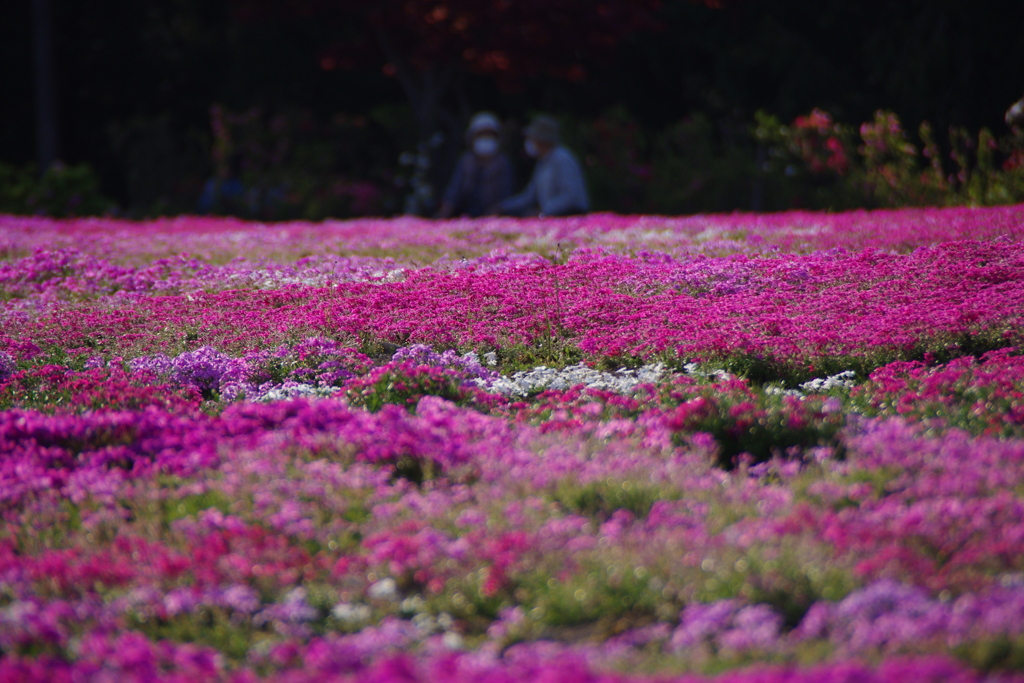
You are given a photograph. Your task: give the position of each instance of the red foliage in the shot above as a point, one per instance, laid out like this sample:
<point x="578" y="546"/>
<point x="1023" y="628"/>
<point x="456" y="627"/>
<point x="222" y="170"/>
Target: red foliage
<point x="504" y="39"/>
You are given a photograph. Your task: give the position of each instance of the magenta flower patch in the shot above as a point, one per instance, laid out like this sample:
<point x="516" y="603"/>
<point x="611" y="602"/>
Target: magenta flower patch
<point x="739" y="448"/>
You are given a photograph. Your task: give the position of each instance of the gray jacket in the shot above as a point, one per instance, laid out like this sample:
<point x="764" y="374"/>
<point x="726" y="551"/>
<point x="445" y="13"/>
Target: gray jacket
<point x="557" y="188"/>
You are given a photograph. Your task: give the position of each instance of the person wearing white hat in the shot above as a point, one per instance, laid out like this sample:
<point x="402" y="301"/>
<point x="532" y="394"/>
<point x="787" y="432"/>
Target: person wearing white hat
<point x="1015" y="114"/>
<point x="557" y="187"/>
<point x="483" y="177"/>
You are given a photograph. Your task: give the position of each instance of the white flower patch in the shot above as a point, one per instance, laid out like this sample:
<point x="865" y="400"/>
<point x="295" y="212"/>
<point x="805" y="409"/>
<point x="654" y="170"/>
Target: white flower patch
<point x="385" y="589"/>
<point x="349" y="613"/>
<point x="290" y="390"/>
<point x="844" y="380"/>
<point x="533" y="381"/>
<point x="273" y="279"/>
<point x="773" y="390"/>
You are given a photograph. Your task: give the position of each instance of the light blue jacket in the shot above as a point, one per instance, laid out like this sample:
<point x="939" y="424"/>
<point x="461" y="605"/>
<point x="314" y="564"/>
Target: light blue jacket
<point x="557" y="188"/>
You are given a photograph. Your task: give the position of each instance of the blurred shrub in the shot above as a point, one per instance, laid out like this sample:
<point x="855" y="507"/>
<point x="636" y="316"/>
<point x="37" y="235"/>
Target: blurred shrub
<point x="700" y="167"/>
<point x="163" y="166"/>
<point x="61" y="191"/>
<point x="296" y="167"/>
<point x="693" y="165"/>
<point x="827" y="165"/>
<point x="615" y="156"/>
<point x="289" y="164"/>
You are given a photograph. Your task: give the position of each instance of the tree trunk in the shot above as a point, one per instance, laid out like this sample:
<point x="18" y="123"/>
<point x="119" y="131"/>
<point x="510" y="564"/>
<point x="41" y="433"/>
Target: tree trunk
<point x="426" y="89"/>
<point x="46" y="91"/>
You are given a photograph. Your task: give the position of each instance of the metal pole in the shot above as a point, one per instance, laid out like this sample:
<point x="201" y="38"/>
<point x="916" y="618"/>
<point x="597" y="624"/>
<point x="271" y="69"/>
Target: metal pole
<point x="46" y="91"/>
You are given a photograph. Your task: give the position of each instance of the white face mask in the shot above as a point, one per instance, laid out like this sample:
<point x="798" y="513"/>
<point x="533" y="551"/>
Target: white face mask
<point x="531" y="148"/>
<point x="485" y="145"/>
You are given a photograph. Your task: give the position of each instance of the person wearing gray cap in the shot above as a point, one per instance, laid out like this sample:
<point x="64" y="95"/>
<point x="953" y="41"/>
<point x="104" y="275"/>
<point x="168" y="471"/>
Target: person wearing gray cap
<point x="483" y="177"/>
<point x="557" y="187"/>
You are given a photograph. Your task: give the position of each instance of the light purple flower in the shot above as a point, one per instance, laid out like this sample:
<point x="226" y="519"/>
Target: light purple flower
<point x="7" y="366"/>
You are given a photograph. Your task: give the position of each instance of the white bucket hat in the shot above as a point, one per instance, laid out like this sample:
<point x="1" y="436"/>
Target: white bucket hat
<point x="484" y="121"/>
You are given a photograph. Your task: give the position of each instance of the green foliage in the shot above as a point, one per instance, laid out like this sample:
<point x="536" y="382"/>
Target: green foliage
<point x="550" y="351"/>
<point x="56" y="527"/>
<point x="405" y="385"/>
<point x="760" y="423"/>
<point x="61" y="191"/>
<point x="210" y="626"/>
<point x="190" y="506"/>
<point x="599" y="599"/>
<point x="997" y="654"/>
<point x="602" y="498"/>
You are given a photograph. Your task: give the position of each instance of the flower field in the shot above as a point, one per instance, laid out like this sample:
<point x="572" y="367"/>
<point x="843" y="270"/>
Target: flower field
<point x="747" y="448"/>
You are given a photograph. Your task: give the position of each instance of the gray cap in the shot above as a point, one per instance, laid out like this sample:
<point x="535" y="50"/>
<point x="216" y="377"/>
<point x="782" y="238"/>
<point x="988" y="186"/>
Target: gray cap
<point x="543" y="129"/>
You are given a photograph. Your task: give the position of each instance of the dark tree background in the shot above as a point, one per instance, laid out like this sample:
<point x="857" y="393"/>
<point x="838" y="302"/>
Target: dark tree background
<point x="135" y="79"/>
